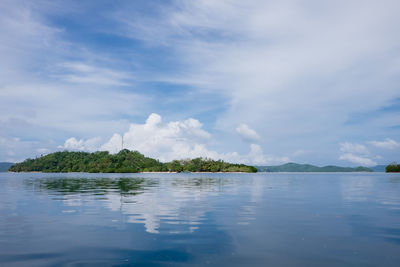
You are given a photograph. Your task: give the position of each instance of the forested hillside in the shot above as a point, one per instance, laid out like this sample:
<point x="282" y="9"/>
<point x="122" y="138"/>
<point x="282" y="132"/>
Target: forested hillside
<point x="125" y="161"/>
<point x="393" y="167"/>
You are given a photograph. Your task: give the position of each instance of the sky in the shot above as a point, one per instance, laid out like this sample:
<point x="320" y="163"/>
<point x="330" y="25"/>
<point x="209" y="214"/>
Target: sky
<point x="256" y="82"/>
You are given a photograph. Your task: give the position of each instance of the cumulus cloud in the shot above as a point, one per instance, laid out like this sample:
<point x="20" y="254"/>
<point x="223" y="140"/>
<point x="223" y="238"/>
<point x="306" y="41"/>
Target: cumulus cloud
<point x="247" y="133"/>
<point x="385" y="144"/>
<point x="72" y="143"/>
<point x="165" y="141"/>
<point x="114" y="144"/>
<point x="360" y="160"/>
<point x="182" y="139"/>
<point x="169" y="141"/>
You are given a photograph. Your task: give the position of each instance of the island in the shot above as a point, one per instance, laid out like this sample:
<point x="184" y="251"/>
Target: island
<point x="295" y="167"/>
<point x="125" y="161"/>
<point x="393" y="167"/>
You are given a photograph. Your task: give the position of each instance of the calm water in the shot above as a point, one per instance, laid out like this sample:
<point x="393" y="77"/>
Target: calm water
<point x="200" y="219"/>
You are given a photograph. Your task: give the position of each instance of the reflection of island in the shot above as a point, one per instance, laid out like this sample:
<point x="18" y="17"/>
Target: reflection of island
<point x="168" y="204"/>
<point x="91" y="185"/>
<point x="125" y="161"/>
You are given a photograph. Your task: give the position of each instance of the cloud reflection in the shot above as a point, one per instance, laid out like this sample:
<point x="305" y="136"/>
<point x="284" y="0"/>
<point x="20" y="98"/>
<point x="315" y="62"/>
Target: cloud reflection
<point x="177" y="205"/>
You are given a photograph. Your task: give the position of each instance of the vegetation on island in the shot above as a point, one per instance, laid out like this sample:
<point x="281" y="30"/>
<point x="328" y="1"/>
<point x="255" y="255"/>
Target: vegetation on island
<point x="125" y="161"/>
<point x="294" y="167"/>
<point x="207" y="165"/>
<point x="393" y="167"/>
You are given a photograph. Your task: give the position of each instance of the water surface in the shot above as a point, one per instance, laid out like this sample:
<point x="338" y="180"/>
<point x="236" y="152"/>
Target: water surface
<point x="264" y="219"/>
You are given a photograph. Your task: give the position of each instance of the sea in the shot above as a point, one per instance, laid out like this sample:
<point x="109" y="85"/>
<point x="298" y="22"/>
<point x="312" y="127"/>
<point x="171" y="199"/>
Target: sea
<point x="200" y="219"/>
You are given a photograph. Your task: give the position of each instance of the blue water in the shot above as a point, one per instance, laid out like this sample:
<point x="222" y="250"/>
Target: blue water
<point x="185" y="219"/>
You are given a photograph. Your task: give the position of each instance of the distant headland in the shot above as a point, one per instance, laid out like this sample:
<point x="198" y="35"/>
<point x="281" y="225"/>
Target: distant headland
<point x="295" y="167"/>
<point x="125" y="161"/>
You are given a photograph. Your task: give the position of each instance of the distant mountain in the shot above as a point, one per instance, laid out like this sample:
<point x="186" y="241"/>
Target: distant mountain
<point x="378" y="168"/>
<point x="4" y="166"/>
<point x="294" y="167"/>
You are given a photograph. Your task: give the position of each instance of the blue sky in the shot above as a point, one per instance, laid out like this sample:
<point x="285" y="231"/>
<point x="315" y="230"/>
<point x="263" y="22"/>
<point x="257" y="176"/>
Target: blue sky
<point x="259" y="82"/>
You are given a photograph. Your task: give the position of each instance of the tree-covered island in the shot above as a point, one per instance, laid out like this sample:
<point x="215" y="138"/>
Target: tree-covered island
<point x="125" y="161"/>
<point x="393" y="167"/>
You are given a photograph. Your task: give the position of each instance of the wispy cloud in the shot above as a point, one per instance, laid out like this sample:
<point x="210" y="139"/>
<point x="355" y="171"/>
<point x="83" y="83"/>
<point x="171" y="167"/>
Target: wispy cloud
<point x="385" y="144"/>
<point x="353" y="148"/>
<point x="53" y="86"/>
<point x="360" y="160"/>
<point x="78" y="72"/>
<point x="290" y="67"/>
<point x="358" y="154"/>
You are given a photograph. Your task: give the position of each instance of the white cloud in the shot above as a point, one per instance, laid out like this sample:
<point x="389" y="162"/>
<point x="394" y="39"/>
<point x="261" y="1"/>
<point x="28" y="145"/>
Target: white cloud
<point x="347" y="147"/>
<point x="360" y="160"/>
<point x="114" y="145"/>
<point x="169" y="141"/>
<point x="43" y="151"/>
<point x="356" y="153"/>
<point x="14" y="149"/>
<point x="80" y="72"/>
<point x="28" y="37"/>
<point x="72" y="143"/>
<point x="178" y="140"/>
<point x="257" y="157"/>
<point x="173" y="140"/>
<point x="385" y="144"/>
<point x="247" y="133"/>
